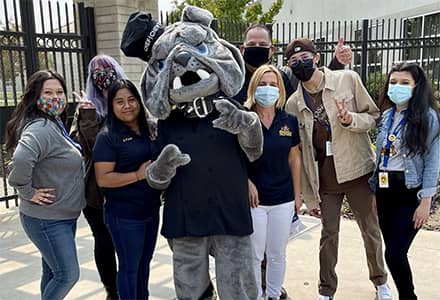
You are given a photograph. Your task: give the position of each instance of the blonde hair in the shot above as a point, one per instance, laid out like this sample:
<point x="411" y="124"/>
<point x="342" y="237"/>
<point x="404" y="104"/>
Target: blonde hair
<point x="255" y="81"/>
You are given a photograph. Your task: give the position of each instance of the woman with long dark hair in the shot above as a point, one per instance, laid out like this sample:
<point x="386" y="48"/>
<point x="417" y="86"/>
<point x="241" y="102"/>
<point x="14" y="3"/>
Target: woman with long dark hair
<point x="121" y="154"/>
<point x="89" y="119"/>
<point x="406" y="176"/>
<point x="47" y="171"/>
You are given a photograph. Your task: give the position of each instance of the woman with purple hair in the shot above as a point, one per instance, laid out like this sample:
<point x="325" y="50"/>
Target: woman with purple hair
<point x="89" y="118"/>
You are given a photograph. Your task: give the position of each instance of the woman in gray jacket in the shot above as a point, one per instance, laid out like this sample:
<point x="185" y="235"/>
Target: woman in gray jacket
<point x="47" y="171"/>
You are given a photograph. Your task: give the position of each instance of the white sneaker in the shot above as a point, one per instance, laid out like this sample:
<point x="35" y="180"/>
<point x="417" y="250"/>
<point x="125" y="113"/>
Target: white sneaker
<point x="321" y="297"/>
<point x="384" y="292"/>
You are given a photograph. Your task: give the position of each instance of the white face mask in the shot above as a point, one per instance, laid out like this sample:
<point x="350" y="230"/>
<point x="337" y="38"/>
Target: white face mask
<point x="267" y="95"/>
<point x="399" y="94"/>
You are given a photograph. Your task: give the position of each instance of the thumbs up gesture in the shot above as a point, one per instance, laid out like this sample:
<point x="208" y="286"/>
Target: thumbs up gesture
<point x="343" y="52"/>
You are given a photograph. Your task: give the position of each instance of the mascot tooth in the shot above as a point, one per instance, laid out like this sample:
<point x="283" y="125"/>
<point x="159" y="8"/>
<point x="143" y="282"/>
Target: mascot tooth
<point x="204" y="143"/>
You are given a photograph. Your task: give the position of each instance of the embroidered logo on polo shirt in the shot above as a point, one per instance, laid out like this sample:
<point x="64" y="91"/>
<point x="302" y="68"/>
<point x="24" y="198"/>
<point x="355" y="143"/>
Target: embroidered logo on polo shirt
<point x="285" y="131"/>
<point x="127" y="139"/>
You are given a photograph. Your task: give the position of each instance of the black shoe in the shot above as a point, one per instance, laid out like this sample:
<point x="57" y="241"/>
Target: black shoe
<point x="112" y="294"/>
<point x="283" y="293"/>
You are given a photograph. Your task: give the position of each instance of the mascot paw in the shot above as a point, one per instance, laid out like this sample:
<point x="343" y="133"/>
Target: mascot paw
<point x="232" y="119"/>
<point x="161" y="171"/>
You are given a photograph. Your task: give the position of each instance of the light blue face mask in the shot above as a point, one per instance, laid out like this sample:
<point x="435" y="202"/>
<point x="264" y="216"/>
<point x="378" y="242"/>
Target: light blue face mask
<point x="266" y="95"/>
<point x="399" y="94"/>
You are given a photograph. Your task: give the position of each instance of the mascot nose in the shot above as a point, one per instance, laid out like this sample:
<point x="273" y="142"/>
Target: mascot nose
<point x="182" y="58"/>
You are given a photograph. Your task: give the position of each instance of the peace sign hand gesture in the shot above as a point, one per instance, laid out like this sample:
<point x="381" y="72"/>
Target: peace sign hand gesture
<point x="344" y="114"/>
<point x="83" y="102"/>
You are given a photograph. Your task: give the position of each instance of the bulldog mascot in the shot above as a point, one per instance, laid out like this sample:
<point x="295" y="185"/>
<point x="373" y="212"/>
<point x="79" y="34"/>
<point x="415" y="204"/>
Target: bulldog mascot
<point x="204" y="143"/>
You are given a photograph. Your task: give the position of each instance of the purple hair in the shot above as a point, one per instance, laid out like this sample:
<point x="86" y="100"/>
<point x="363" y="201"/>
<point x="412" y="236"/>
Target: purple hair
<point x="93" y="93"/>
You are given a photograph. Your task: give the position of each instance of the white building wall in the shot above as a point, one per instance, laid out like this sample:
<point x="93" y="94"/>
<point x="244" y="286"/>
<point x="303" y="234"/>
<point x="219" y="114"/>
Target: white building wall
<point x="341" y="10"/>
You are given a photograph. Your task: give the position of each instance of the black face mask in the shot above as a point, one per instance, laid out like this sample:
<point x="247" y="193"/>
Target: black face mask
<point x="303" y="69"/>
<point x="256" y="56"/>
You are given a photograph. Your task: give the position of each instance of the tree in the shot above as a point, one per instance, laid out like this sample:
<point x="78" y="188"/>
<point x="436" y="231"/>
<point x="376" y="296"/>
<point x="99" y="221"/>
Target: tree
<point x="247" y="11"/>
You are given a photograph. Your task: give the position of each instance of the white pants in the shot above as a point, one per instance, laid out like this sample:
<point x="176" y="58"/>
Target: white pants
<point x="271" y="234"/>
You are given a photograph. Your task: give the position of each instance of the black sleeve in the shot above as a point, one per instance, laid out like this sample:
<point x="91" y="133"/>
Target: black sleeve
<point x="335" y="64"/>
<point x="295" y="131"/>
<point x="160" y="142"/>
<point x="290" y="84"/>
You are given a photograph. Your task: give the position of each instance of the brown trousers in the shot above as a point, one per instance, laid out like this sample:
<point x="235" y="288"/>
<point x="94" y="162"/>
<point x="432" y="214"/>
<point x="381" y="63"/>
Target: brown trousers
<point x="359" y="198"/>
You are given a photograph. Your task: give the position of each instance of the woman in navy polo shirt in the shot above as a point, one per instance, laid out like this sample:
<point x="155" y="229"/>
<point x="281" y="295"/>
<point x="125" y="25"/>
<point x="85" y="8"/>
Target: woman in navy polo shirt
<point x="274" y="181"/>
<point x="131" y="211"/>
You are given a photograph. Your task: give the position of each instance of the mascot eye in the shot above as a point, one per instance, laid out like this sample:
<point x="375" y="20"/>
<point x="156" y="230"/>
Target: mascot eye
<point x="202" y="48"/>
<point x="161" y="64"/>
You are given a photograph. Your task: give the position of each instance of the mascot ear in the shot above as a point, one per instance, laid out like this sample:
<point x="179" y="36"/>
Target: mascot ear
<point x="197" y="15"/>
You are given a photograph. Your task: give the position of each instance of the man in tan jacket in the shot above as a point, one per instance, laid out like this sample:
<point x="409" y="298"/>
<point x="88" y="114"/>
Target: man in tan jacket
<point x="335" y="112"/>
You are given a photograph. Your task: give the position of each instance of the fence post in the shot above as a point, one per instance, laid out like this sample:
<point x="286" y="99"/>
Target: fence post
<point x="214" y="25"/>
<point x="364" y="51"/>
<point x="87" y="28"/>
<point x="269" y="27"/>
<point x="30" y="43"/>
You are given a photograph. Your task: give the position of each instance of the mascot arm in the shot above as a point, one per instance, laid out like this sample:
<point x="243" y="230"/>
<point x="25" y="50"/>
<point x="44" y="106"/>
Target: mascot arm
<point x="244" y="124"/>
<point x="162" y="170"/>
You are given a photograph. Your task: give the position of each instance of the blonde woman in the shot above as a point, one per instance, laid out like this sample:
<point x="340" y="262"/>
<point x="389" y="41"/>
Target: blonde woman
<point x="274" y="182"/>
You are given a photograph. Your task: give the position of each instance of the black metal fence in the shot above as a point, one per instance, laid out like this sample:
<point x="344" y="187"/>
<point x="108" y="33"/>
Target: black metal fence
<point x="376" y="44"/>
<point x="36" y="35"/>
<point x="60" y="35"/>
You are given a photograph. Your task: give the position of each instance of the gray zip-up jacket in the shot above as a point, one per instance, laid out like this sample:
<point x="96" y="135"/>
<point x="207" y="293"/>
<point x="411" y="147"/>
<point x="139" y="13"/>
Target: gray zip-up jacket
<point x="44" y="158"/>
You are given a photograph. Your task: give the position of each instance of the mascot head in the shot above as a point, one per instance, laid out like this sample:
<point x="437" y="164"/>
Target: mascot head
<point x="186" y="62"/>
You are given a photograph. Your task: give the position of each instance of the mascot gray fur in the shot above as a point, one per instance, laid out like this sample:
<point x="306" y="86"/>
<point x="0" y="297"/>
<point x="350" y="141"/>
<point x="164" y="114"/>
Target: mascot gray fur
<point x="204" y="142"/>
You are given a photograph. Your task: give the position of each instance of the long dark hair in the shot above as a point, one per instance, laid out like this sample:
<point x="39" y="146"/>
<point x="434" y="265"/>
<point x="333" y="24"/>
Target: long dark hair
<point x="417" y="114"/>
<point x="27" y="110"/>
<point x="114" y="125"/>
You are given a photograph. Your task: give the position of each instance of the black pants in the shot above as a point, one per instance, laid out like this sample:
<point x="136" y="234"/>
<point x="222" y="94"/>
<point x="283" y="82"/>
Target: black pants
<point x="105" y="258"/>
<point x="395" y="207"/>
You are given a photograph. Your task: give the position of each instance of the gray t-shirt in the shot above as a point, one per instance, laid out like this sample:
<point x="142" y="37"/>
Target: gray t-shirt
<point x="44" y="158"/>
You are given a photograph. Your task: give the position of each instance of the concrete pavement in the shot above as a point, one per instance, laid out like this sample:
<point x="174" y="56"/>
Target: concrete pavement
<point x="20" y="267"/>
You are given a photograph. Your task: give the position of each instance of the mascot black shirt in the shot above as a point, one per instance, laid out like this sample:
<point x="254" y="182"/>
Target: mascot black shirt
<point x="217" y="170"/>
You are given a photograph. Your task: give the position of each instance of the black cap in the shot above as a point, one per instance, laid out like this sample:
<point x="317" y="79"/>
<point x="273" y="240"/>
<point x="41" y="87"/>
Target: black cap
<point x="139" y="35"/>
<point x="299" y="45"/>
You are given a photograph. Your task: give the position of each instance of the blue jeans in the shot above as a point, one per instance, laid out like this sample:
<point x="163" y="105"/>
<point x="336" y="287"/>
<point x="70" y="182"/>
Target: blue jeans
<point x="56" y="241"/>
<point x="134" y="242"/>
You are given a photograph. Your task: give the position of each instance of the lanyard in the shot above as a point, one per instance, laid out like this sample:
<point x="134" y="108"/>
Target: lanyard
<point x="325" y="123"/>
<point x="67" y="136"/>
<point x="391" y="137"/>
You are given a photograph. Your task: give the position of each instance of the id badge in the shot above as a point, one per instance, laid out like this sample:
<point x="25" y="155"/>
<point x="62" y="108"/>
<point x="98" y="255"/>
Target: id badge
<point x="383" y="180"/>
<point x="328" y="148"/>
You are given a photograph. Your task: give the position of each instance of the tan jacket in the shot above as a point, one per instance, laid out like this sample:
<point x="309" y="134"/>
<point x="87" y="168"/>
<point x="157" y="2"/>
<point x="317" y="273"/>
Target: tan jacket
<point x="352" y="152"/>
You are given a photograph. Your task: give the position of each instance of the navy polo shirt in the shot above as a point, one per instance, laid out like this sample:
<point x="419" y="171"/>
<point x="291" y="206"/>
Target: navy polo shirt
<point x="271" y="173"/>
<point x="208" y="196"/>
<point x="128" y="150"/>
